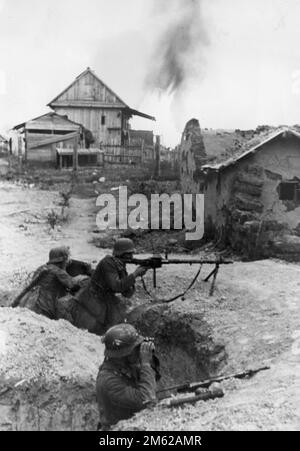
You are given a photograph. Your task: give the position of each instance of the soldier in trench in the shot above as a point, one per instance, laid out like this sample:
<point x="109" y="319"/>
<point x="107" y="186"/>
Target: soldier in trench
<point x="50" y="283"/>
<point x="126" y="382"/>
<point x="97" y="305"/>
<point x="91" y="304"/>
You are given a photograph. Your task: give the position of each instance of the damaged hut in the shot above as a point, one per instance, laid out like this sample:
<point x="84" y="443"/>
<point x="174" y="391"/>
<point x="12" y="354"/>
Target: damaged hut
<point x="50" y="139"/>
<point x="252" y="200"/>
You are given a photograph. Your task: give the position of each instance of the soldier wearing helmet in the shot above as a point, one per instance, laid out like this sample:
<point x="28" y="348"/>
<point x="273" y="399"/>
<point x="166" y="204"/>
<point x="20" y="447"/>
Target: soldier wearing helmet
<point x="99" y="306"/>
<point x="50" y="283"/>
<point x="126" y="381"/>
<point x="59" y="256"/>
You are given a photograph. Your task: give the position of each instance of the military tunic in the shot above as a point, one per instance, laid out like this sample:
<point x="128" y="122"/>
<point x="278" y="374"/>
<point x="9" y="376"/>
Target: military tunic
<point x="123" y="391"/>
<point x="54" y="283"/>
<point x="101" y="308"/>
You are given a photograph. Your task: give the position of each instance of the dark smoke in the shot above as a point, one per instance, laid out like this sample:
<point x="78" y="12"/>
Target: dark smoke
<point x="176" y="54"/>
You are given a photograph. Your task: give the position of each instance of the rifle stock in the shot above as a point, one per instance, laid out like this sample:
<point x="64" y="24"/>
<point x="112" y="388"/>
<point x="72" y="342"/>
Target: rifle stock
<point x="192" y="399"/>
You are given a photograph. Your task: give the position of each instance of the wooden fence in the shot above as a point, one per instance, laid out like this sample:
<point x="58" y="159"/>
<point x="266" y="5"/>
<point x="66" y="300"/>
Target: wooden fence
<point x="127" y="155"/>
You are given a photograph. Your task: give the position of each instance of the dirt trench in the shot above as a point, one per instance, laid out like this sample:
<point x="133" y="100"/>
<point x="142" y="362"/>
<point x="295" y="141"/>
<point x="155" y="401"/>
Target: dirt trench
<point x="48" y="369"/>
<point x="185" y="342"/>
<point x="46" y="406"/>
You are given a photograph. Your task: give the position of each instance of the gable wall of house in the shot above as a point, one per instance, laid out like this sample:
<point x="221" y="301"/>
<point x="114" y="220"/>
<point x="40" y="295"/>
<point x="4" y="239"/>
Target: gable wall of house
<point x="90" y="103"/>
<point x="88" y="88"/>
<point x="91" y="118"/>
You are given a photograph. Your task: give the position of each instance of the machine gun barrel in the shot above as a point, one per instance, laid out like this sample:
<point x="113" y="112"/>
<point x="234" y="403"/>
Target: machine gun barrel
<point x="196" y="262"/>
<point x="158" y="262"/>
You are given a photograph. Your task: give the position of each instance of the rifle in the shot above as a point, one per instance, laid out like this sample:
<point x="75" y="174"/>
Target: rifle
<point x="157" y="261"/>
<point x="190" y="387"/>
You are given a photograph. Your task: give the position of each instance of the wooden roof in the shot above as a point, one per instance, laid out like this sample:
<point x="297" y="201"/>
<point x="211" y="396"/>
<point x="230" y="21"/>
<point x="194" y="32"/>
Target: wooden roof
<point x="89" y="91"/>
<point x="87" y="88"/>
<point x="49" y="121"/>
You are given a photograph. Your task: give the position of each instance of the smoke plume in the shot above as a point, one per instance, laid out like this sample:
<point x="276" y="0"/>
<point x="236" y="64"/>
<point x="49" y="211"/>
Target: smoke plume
<point x="181" y="41"/>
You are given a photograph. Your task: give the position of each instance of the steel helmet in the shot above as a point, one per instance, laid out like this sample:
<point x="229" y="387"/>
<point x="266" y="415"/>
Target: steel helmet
<point x="121" y="340"/>
<point x="59" y="254"/>
<point x="123" y="246"/>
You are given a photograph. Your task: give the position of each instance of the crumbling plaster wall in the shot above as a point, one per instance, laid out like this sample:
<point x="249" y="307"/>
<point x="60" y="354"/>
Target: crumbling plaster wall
<point x="192" y="157"/>
<point x="242" y="204"/>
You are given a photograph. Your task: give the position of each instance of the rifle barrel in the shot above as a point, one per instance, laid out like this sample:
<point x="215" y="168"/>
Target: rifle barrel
<point x="204" y="384"/>
<point x="207" y="383"/>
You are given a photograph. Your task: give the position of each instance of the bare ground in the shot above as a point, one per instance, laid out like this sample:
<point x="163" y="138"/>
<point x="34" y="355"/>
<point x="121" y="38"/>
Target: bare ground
<point x="255" y="310"/>
<point x="26" y="237"/>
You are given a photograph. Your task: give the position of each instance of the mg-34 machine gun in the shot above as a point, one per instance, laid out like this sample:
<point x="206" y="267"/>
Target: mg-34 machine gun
<point x="157" y="261"/>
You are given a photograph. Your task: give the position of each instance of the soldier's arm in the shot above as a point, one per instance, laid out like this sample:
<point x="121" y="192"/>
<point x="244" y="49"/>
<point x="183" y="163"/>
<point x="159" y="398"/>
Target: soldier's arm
<point x="39" y="271"/>
<point x="77" y="267"/>
<point x="113" y="280"/>
<point x="66" y="280"/>
<point x="129" y="293"/>
<point x="132" y="398"/>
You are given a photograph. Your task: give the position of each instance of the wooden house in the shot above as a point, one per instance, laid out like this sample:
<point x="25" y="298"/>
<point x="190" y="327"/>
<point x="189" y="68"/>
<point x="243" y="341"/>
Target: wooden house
<point x="90" y="102"/>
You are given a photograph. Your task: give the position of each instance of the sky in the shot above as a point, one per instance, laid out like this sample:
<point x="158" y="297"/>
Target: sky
<point x="242" y="69"/>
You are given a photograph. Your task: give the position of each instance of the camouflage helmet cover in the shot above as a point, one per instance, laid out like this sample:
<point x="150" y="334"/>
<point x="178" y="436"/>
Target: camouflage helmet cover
<point x="121" y="340"/>
<point x="59" y="254"/>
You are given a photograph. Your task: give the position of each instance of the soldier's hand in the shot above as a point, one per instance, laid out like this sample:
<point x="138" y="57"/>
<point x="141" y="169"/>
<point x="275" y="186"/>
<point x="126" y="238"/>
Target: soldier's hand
<point x="146" y="351"/>
<point x="140" y="271"/>
<point x="80" y="278"/>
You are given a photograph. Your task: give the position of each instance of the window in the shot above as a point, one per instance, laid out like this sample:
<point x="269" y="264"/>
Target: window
<point x="290" y="191"/>
<point x="103" y="119"/>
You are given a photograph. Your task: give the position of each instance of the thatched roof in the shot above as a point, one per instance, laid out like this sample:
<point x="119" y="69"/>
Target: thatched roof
<point x="248" y="147"/>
